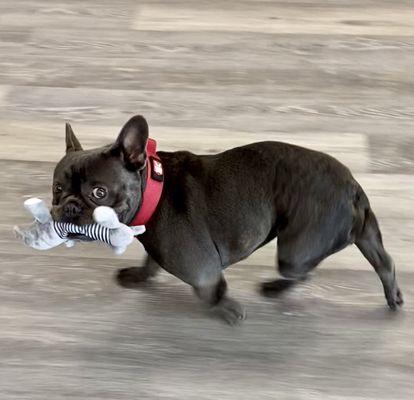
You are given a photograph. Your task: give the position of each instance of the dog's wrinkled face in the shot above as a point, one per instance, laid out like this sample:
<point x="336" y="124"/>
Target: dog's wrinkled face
<point x="109" y="176"/>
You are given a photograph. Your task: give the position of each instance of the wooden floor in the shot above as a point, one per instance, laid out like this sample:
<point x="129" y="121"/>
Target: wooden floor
<point x="208" y="75"/>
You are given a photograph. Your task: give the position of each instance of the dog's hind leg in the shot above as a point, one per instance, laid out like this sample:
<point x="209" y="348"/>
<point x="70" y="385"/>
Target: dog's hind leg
<point x="297" y="256"/>
<point x="293" y="272"/>
<point x="300" y="250"/>
<point x="369" y="242"/>
<point x="134" y="276"/>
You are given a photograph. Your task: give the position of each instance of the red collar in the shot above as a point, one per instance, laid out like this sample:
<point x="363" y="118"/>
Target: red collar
<point x="153" y="188"/>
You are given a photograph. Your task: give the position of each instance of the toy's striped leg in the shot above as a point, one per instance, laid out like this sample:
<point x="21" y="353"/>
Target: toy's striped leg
<point x="92" y="231"/>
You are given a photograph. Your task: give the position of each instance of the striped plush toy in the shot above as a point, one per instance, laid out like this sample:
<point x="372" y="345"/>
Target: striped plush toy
<point x="44" y="233"/>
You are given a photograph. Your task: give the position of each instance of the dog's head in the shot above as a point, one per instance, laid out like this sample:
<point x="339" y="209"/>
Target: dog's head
<point x="109" y="176"/>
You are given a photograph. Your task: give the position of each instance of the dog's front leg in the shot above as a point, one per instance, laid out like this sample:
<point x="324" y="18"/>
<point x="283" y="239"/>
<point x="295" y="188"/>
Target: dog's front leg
<point x="133" y="277"/>
<point x="215" y="295"/>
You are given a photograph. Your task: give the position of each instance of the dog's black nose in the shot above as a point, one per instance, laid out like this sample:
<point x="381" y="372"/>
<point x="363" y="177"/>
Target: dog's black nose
<point x="72" y="210"/>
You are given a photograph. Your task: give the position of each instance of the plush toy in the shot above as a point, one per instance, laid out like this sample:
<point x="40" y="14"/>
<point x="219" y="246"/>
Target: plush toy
<point x="45" y="233"/>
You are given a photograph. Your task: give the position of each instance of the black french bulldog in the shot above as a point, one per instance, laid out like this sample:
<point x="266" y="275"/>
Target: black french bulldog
<point x="217" y="209"/>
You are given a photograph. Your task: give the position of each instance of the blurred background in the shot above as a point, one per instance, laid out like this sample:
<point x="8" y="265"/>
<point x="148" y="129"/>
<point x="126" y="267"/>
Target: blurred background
<point x="331" y="75"/>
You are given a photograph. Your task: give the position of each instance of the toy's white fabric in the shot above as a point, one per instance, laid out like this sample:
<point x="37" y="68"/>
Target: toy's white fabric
<point x="44" y="233"/>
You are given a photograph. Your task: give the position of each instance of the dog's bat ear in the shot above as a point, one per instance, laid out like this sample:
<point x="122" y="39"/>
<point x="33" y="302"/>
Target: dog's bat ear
<point x="132" y="142"/>
<point x="72" y="143"/>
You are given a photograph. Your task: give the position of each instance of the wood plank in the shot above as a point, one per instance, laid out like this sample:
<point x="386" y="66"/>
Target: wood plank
<point x="392" y="153"/>
<point x="240" y="110"/>
<point x="126" y="61"/>
<point x="40" y="13"/>
<point x="280" y="17"/>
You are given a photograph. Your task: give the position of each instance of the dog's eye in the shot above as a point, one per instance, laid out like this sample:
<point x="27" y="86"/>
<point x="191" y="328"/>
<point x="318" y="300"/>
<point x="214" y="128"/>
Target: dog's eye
<point x="58" y="189"/>
<point x="99" y="193"/>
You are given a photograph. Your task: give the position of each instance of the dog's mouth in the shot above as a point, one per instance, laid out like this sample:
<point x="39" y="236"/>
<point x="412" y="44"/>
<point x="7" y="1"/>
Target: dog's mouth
<point x="82" y="218"/>
<point x="78" y="220"/>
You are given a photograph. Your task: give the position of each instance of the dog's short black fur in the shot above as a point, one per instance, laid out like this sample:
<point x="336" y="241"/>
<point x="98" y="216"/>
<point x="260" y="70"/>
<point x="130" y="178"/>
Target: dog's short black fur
<point x="216" y="210"/>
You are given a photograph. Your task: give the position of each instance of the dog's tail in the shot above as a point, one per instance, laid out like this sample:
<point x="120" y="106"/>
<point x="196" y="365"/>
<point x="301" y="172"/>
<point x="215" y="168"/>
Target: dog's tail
<point x="368" y="239"/>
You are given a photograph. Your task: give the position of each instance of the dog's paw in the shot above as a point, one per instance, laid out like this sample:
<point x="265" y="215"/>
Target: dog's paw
<point x="276" y="287"/>
<point x="395" y="299"/>
<point x="132" y="277"/>
<point x="231" y="311"/>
